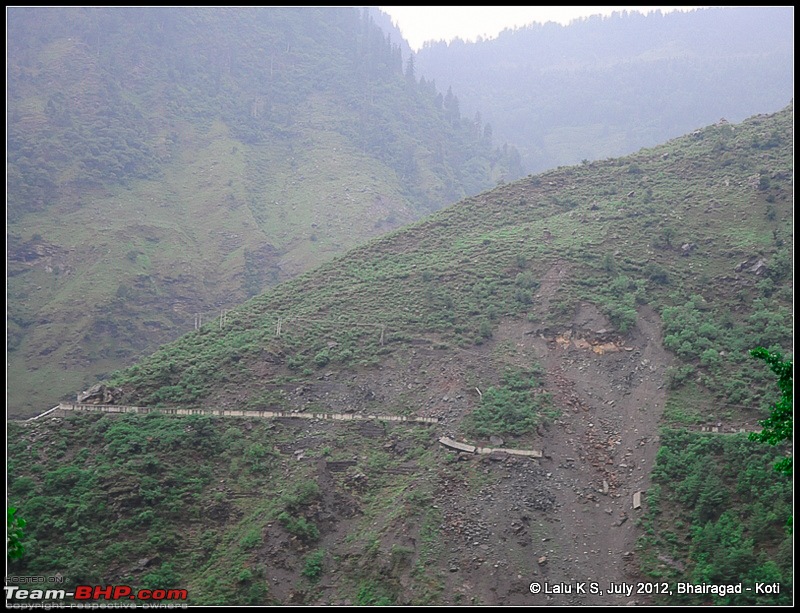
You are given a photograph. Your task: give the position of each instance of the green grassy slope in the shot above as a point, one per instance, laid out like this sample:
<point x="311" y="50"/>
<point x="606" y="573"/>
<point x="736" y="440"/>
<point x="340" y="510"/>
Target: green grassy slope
<point x="251" y="512"/>
<point x="622" y="224"/>
<point x="168" y="162"/>
<point x="132" y="266"/>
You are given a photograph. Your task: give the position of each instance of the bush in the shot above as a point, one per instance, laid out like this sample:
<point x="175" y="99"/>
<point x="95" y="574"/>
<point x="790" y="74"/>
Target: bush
<point x="322" y="358"/>
<point x="621" y="312"/>
<point x="656" y="272"/>
<point x="295" y="362"/>
<point x="511" y="409"/>
<point x="313" y="567"/>
<point x="165" y="578"/>
<point x="251" y="539"/>
<point x="370" y="594"/>
<point x="677" y="375"/>
<point x="302" y="494"/>
<point x="525" y="280"/>
<point x="523" y="296"/>
<point x="609" y="263"/>
<point x="299" y="527"/>
<point x="710" y="357"/>
<point x="23" y="486"/>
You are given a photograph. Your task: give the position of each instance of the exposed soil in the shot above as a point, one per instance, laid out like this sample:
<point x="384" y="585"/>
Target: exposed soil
<point x="599" y="452"/>
<point x="567" y="518"/>
<point x="564" y="519"/>
<point x="605" y="440"/>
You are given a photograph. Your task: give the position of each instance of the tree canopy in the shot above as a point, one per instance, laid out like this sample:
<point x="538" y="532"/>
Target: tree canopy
<point x="778" y="426"/>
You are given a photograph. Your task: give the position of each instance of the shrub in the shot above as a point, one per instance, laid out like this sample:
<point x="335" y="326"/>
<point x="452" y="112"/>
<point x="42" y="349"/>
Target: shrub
<point x="299" y="527"/>
<point x="302" y="494"/>
<point x="677" y="375"/>
<point x="313" y="567"/>
<point x="656" y="272"/>
<point x="511" y="409"/>
<point x="23" y="485"/>
<point x="666" y="237"/>
<point x="322" y="358"/>
<point x="251" y="539"/>
<point x="525" y="280"/>
<point x="295" y="362"/>
<point x="164" y="578"/>
<point x="710" y="357"/>
<point x="370" y="594"/>
<point x="609" y="263"/>
<point x="523" y="296"/>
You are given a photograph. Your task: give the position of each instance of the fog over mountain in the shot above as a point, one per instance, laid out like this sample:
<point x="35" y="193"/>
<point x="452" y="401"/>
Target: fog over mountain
<point x="605" y="86"/>
<point x="289" y="324"/>
<point x="165" y="164"/>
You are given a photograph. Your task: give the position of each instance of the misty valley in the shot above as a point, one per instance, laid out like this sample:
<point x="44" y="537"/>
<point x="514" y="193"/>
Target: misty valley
<point x="300" y="316"/>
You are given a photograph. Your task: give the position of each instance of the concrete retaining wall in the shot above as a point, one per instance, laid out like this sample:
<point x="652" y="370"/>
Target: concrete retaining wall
<point x="113" y="408"/>
<point x="451" y="444"/>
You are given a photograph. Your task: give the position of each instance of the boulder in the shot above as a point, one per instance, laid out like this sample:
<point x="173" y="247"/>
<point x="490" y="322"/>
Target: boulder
<point x="760" y="268"/>
<point x="99" y="394"/>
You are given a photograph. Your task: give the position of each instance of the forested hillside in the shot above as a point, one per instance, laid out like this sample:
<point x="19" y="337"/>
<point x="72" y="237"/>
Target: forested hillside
<point x="167" y="163"/>
<point x="597" y="318"/>
<point x="606" y="86"/>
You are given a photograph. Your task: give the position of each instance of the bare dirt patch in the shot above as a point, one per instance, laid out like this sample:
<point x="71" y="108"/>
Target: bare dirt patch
<point x="601" y="449"/>
<point x="568" y="517"/>
<point x="508" y="521"/>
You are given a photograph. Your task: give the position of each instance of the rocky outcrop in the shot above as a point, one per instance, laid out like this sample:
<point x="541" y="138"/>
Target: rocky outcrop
<point x="99" y="394"/>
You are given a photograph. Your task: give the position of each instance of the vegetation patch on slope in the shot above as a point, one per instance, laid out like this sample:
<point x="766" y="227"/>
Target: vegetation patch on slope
<point x="415" y="321"/>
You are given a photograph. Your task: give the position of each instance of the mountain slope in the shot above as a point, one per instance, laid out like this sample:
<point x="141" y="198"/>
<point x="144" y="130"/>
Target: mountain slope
<point x="570" y="312"/>
<point x="170" y="162"/>
<point x="605" y="86"/>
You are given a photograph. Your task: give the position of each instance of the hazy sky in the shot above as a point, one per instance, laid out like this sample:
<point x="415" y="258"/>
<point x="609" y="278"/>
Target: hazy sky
<point x="422" y="23"/>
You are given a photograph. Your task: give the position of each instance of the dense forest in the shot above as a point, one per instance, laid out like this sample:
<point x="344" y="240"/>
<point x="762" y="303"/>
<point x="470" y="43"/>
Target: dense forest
<point x="129" y="72"/>
<point x="605" y="86"/>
